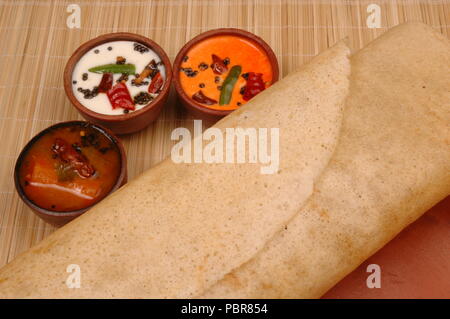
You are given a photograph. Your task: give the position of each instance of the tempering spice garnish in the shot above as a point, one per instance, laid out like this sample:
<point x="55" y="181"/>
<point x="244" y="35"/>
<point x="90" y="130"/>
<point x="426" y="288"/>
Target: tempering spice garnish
<point x="218" y="66"/>
<point x="89" y="94"/>
<point x="156" y="84"/>
<point x="202" y="66"/>
<point x="142" y="98"/>
<point x="105" y="83"/>
<point x="120" y="60"/>
<point x="140" y="48"/>
<point x="119" y="96"/>
<point x="150" y="70"/>
<point x="122" y="78"/>
<point x="133" y="83"/>
<point x="114" y="68"/>
<point x="90" y="139"/>
<point x="255" y="85"/>
<point x="228" y="85"/>
<point x="189" y="72"/>
<point x="202" y="98"/>
<point x="70" y="156"/>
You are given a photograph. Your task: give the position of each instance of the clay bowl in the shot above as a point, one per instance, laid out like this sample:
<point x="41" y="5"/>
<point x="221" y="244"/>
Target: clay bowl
<point x="60" y="218"/>
<point x="123" y="123"/>
<point x="198" y="110"/>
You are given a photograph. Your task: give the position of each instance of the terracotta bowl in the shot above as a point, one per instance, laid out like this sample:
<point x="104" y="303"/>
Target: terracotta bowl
<point x="199" y="110"/>
<point x="61" y="218"/>
<point x="123" y="123"/>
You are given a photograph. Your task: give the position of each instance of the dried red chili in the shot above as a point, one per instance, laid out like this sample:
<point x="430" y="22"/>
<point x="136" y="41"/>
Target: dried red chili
<point x="254" y="86"/>
<point x="200" y="97"/>
<point x="156" y="84"/>
<point x="119" y="96"/>
<point x="105" y="83"/>
<point x="218" y="66"/>
<point x="76" y="160"/>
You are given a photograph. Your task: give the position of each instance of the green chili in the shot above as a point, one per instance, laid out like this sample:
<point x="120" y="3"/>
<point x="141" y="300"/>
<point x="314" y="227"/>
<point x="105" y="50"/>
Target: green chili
<point x="228" y="85"/>
<point x="114" y="68"/>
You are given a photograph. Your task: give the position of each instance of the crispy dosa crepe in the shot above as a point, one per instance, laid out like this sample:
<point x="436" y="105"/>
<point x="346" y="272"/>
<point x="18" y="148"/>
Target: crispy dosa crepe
<point x="391" y="165"/>
<point x="179" y="228"/>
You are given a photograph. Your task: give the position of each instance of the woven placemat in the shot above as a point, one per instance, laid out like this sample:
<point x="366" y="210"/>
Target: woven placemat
<point x="36" y="43"/>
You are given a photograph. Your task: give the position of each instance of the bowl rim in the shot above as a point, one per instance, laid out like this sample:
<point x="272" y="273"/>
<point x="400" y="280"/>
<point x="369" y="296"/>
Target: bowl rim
<point x="120" y="179"/>
<point x="109" y="37"/>
<point x="211" y="33"/>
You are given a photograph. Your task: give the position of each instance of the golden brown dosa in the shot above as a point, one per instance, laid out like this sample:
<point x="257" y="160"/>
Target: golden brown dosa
<point x="392" y="164"/>
<point x="179" y="228"/>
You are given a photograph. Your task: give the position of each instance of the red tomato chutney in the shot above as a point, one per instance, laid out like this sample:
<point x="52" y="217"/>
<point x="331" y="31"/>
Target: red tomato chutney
<point x="70" y="168"/>
<point x="225" y="71"/>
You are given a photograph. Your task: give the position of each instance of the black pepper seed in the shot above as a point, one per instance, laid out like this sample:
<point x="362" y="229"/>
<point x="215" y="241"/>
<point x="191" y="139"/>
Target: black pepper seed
<point x="242" y="90"/>
<point x="96" y="51"/>
<point x="219" y="87"/>
<point x="217" y="79"/>
<point x="126" y="111"/>
<point x="189" y="72"/>
<point x="226" y="61"/>
<point x="123" y="77"/>
<point x="202" y="66"/>
<point x="201" y="85"/>
<point x="89" y="94"/>
<point x="74" y="82"/>
<point x="133" y="83"/>
<point x="91" y="139"/>
<point x="185" y="58"/>
<point x="142" y="98"/>
<point x="109" y="48"/>
<point x="239" y="103"/>
<point x="245" y="75"/>
<point x="140" y="48"/>
<point x="85" y="76"/>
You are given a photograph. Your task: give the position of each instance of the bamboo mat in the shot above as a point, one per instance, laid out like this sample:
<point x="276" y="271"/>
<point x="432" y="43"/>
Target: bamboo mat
<point x="36" y="43"/>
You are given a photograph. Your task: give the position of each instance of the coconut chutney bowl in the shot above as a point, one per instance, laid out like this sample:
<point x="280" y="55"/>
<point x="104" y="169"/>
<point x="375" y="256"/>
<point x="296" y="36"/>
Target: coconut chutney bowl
<point x="119" y="80"/>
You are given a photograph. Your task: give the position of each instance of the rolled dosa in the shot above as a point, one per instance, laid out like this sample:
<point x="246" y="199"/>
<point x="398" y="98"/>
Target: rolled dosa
<point x="392" y="164"/>
<point x="179" y="228"/>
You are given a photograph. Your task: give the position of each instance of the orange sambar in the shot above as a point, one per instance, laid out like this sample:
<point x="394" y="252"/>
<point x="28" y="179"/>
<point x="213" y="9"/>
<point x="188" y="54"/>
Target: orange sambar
<point x="51" y="182"/>
<point x="235" y="49"/>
